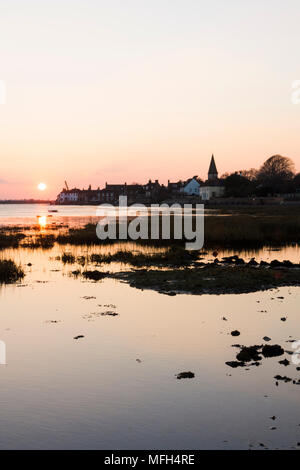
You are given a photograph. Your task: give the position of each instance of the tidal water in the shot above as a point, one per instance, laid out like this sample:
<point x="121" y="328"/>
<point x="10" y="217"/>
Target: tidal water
<point x="26" y="214"/>
<point x="73" y="215"/>
<point x="115" y="388"/>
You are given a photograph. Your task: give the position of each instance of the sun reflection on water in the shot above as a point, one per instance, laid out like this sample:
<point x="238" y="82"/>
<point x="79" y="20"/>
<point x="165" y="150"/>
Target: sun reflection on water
<point x="42" y="221"/>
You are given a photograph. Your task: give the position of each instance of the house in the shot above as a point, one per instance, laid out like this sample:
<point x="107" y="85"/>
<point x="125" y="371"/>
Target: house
<point x="68" y="196"/>
<point x="89" y="195"/>
<point x="151" y="188"/>
<point x="213" y="187"/>
<point x="191" y="187"/>
<point x="175" y="188"/>
<point x="130" y="190"/>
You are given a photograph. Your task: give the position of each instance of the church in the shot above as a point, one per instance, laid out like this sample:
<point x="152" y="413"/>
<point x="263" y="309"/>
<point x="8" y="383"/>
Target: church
<point x="212" y="187"/>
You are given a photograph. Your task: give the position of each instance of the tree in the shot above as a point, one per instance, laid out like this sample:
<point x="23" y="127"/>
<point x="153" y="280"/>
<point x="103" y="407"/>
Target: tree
<point x="251" y="174"/>
<point x="276" y="174"/>
<point x="237" y="185"/>
<point x="296" y="181"/>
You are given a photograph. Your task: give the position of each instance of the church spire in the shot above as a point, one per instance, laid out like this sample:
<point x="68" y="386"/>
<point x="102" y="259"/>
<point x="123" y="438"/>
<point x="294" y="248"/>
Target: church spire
<point x="212" y="172"/>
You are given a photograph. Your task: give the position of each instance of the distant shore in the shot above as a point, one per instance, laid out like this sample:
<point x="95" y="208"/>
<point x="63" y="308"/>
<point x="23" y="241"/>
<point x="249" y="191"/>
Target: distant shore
<point x="26" y="201"/>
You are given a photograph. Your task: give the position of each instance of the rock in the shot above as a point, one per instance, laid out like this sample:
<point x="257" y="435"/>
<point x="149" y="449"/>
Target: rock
<point x="94" y="275"/>
<point x="266" y="338"/>
<point x="235" y="333"/>
<point x="264" y="263"/>
<point x="275" y="263"/>
<point x="252" y="262"/>
<point x="235" y="364"/>
<point x="230" y="259"/>
<point x="283" y="378"/>
<point x="269" y="350"/>
<point x="248" y="354"/>
<point x="185" y="375"/>
<point x="284" y="362"/>
<point x="287" y="264"/>
<point x="109" y="314"/>
<point x="78" y="337"/>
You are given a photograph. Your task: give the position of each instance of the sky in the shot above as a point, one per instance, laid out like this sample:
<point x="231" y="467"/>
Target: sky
<point x="114" y="90"/>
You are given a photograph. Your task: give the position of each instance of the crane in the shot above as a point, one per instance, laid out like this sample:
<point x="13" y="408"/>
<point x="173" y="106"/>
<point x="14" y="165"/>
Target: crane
<point x="67" y="187"/>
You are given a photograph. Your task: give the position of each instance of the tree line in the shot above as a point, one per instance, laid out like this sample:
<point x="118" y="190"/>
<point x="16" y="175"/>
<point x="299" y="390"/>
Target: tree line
<point x="277" y="175"/>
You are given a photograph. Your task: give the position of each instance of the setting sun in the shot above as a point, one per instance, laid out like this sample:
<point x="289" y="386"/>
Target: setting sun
<point x="42" y="186"/>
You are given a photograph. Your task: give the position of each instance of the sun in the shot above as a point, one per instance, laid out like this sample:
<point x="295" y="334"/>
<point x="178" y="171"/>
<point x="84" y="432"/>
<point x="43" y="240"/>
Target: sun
<point x="42" y="186"/>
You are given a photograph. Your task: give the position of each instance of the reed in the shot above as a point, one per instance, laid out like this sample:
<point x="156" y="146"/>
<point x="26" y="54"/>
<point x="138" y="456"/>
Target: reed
<point x="10" y="272"/>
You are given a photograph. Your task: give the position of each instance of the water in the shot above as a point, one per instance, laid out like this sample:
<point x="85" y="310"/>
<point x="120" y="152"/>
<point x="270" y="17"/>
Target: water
<point x="26" y="214"/>
<point x="116" y="387"/>
<point x="57" y="392"/>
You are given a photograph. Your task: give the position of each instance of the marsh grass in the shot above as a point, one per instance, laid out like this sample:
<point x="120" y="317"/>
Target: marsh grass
<point x="175" y="256"/>
<point x="211" y="279"/>
<point x="243" y="227"/>
<point x="44" y="241"/>
<point x="252" y="230"/>
<point x="256" y="228"/>
<point x="11" y="240"/>
<point x="68" y="258"/>
<point x="10" y="272"/>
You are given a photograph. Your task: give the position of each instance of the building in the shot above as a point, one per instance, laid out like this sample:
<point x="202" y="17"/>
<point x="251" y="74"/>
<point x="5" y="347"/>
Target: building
<point x="152" y="188"/>
<point x="213" y="187"/>
<point x="129" y="190"/>
<point x="212" y="171"/>
<point x="68" y="196"/>
<point x="191" y="187"/>
<point x="175" y="188"/>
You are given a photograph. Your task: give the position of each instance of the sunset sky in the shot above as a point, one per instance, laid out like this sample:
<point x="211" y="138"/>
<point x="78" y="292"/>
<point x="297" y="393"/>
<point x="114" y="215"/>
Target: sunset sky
<point x="115" y="90"/>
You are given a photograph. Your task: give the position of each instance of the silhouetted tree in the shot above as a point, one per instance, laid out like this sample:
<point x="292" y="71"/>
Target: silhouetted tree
<point x="276" y="174"/>
<point x="296" y="181"/>
<point x="237" y="185"/>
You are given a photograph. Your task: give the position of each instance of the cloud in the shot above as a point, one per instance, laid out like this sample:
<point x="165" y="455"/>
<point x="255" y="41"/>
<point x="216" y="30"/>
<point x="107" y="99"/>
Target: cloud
<point x="2" y="181"/>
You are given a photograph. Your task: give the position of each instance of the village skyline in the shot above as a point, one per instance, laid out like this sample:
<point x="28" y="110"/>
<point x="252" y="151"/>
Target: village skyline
<point x="247" y="182"/>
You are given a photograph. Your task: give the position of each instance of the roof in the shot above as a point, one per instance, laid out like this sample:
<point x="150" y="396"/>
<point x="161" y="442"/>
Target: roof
<point x="210" y="183"/>
<point x="212" y="166"/>
<point x="195" y="178"/>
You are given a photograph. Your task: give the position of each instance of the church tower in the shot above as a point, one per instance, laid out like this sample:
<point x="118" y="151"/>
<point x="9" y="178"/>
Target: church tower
<point x="212" y="172"/>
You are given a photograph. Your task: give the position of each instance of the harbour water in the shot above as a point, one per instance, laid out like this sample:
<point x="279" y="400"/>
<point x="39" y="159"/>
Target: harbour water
<point x="116" y="387"/>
